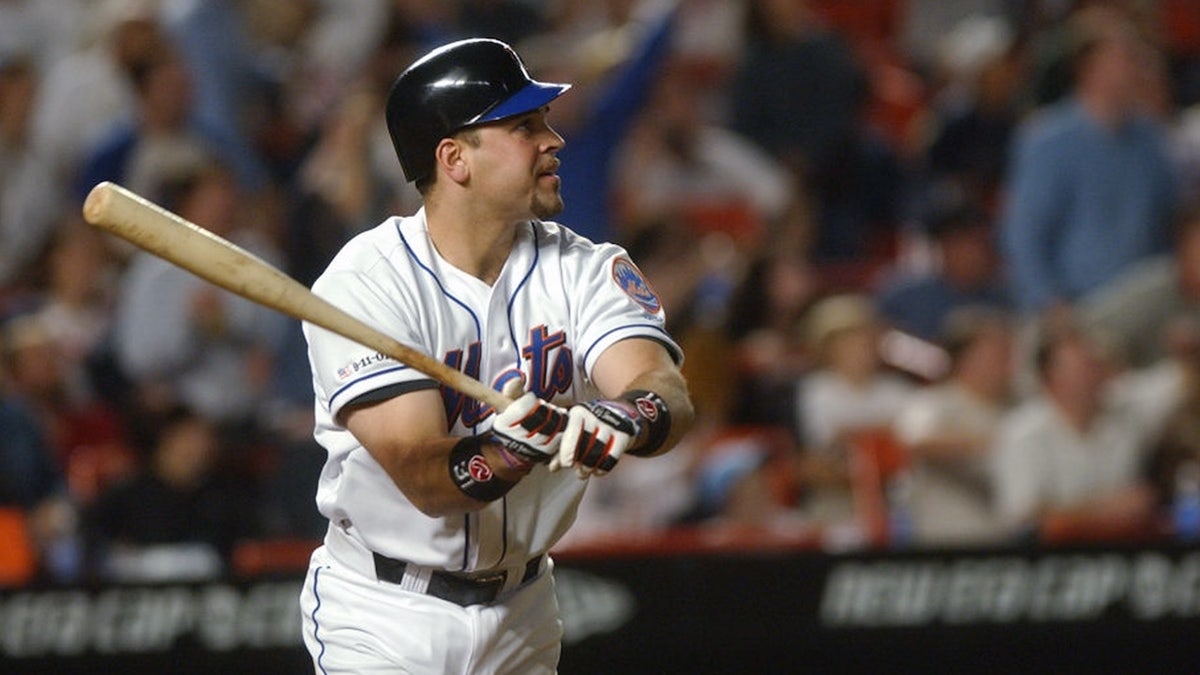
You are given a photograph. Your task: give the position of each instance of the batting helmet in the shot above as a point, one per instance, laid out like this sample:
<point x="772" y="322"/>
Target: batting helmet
<point x="453" y="87"/>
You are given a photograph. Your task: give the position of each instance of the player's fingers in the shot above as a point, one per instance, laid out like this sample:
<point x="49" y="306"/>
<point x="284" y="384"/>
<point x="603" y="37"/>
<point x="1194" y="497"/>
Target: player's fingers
<point x="556" y="421"/>
<point x="544" y="420"/>
<point x="608" y="460"/>
<point x="596" y="447"/>
<point x="570" y="438"/>
<point x="606" y="464"/>
<point x="517" y="410"/>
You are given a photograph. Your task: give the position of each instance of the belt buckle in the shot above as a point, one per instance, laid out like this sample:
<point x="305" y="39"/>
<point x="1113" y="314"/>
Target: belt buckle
<point x="497" y="577"/>
<point x="466" y="590"/>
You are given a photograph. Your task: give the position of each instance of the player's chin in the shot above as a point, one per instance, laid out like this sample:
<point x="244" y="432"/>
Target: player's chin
<point x="545" y="206"/>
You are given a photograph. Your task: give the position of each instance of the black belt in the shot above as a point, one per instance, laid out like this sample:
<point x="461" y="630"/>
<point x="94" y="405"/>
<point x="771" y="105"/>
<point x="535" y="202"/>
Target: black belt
<point x="455" y="587"/>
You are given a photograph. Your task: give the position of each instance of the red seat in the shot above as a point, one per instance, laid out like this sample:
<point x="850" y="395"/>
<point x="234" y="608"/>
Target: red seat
<point x="876" y="457"/>
<point x="18" y="556"/>
<point x="1067" y="529"/>
<point x="258" y="557"/>
<point x="91" y="469"/>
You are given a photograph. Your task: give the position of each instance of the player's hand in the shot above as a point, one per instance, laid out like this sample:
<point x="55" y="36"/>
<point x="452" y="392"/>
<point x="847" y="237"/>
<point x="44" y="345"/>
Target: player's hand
<point x="597" y="433"/>
<point x="529" y="427"/>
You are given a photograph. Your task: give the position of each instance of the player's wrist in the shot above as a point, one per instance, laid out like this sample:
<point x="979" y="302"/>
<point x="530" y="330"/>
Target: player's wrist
<point x="513" y="463"/>
<point x="475" y="474"/>
<point x="616" y="413"/>
<point x="516" y="451"/>
<point x="654" y="421"/>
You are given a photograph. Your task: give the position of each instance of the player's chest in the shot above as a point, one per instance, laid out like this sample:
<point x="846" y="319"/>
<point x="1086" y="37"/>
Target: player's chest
<point x="519" y="327"/>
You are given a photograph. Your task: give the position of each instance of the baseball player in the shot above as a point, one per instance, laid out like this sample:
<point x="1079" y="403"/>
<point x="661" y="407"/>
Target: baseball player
<point x="442" y="510"/>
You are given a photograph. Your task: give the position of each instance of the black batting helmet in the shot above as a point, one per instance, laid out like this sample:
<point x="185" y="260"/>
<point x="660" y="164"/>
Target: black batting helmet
<point x="455" y="86"/>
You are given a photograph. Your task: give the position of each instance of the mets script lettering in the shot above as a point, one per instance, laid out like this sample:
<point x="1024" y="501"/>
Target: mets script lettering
<point x="547" y="365"/>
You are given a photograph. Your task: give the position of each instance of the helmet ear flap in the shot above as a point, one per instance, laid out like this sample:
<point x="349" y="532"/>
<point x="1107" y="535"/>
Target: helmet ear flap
<point x="455" y="86"/>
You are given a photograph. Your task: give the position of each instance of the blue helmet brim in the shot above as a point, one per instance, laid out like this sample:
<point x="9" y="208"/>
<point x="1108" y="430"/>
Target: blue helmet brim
<point x="531" y="97"/>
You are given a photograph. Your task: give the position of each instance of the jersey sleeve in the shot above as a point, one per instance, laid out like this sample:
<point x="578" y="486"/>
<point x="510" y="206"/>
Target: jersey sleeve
<point x="616" y="303"/>
<point x="345" y="371"/>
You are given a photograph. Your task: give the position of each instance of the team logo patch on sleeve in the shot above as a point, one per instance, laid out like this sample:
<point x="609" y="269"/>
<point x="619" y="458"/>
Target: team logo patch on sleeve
<point x="629" y="279"/>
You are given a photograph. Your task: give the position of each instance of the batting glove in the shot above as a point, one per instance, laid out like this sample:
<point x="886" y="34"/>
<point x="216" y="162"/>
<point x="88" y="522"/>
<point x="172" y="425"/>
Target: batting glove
<point x="529" y="427"/>
<point x="598" y="433"/>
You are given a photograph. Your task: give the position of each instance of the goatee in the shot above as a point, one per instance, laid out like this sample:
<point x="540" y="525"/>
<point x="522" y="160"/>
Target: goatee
<point x="545" y="207"/>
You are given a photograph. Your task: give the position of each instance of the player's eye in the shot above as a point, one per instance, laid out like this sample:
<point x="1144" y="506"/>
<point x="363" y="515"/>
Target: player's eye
<point x="532" y="122"/>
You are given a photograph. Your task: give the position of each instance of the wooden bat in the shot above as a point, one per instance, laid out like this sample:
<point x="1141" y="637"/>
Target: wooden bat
<point x="173" y="238"/>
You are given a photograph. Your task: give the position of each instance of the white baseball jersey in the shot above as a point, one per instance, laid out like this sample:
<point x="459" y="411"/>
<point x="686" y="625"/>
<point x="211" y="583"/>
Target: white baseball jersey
<point x="559" y="302"/>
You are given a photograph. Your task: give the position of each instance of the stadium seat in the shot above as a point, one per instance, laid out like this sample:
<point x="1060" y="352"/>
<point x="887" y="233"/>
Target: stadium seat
<point x="18" y="557"/>
<point x="876" y="458"/>
<point x="263" y="557"/>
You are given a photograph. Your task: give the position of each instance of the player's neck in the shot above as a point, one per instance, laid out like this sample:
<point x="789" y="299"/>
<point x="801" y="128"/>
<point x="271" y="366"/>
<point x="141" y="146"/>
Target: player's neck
<point x="478" y="248"/>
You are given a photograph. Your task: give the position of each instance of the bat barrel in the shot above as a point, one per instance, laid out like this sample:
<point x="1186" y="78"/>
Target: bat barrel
<point x="169" y="236"/>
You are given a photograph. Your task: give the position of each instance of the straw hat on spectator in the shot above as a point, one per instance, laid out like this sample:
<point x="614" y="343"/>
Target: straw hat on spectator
<point x="835" y="315"/>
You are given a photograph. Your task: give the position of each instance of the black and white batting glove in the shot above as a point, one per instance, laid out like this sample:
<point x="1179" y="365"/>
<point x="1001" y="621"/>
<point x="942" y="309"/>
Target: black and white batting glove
<point x="529" y="427"/>
<point x="598" y="433"/>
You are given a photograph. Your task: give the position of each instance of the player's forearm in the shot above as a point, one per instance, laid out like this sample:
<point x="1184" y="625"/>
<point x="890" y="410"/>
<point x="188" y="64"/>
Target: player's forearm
<point x="425" y="473"/>
<point x="672" y="388"/>
<point x="949" y="447"/>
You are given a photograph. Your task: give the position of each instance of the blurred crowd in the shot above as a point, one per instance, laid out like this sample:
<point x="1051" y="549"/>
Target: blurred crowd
<point x="935" y="266"/>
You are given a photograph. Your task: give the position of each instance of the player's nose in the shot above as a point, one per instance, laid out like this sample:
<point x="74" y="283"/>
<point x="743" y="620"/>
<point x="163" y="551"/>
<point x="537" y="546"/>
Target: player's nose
<point x="553" y="141"/>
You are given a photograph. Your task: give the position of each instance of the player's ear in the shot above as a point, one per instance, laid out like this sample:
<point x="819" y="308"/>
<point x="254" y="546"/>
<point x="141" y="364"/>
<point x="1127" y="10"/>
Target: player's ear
<point x="450" y="159"/>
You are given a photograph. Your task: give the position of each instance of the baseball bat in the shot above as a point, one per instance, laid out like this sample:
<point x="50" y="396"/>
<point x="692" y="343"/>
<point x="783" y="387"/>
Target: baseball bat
<point x="167" y="235"/>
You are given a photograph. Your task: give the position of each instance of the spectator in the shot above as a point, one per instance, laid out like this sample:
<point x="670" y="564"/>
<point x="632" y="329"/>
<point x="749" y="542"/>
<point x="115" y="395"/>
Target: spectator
<point x="181" y="340"/>
<point x="966" y="273"/>
<point x="1073" y="455"/>
<point x="88" y="91"/>
<point x="279" y="71"/>
<point x="848" y="393"/>
<point x="163" y="130"/>
<point x="977" y="110"/>
<point x="1091" y="188"/>
<point x="925" y="26"/>
<point x="595" y="118"/>
<point x="676" y="163"/>
<point x="509" y="21"/>
<point x="348" y="178"/>
<point x="74" y="311"/>
<point x="29" y="470"/>
<point x="213" y="45"/>
<point x="44" y="30"/>
<point x="798" y="89"/>
<point x="799" y="92"/>
<point x="178" y="518"/>
<point x="643" y="501"/>
<point x="76" y="301"/>
<point x="339" y="186"/>
<point x="72" y="420"/>
<point x="30" y="200"/>
<point x="288" y="509"/>
<point x="948" y="430"/>
<point x="31" y="474"/>
<point x="764" y="311"/>
<point x="1178" y="448"/>
<point x="744" y="477"/>
<point x="1144" y="307"/>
